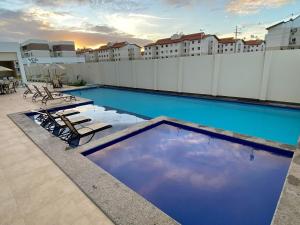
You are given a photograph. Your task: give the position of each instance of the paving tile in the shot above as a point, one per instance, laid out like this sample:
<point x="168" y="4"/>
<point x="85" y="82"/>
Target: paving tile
<point x="9" y="211"/>
<point x="33" y="179"/>
<point x="26" y="166"/>
<point x="50" y="191"/>
<point x="62" y="212"/>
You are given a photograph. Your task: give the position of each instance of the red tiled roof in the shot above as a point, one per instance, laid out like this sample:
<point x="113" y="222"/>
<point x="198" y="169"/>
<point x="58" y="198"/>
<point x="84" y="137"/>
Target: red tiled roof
<point x="119" y="44"/>
<point x="227" y="40"/>
<point x="189" y="37"/>
<point x="104" y="47"/>
<point x="149" y="45"/>
<point x="254" y="42"/>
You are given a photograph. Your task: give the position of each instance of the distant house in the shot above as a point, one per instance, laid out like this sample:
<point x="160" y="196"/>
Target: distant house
<point x="254" y="46"/>
<point x="230" y="45"/>
<point x="87" y="53"/>
<point x="181" y="45"/>
<point x="119" y="51"/>
<point x="284" y="35"/>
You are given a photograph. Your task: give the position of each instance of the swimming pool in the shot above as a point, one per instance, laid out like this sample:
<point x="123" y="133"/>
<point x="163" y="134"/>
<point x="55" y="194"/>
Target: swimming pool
<point x="195" y="177"/>
<point x="272" y="123"/>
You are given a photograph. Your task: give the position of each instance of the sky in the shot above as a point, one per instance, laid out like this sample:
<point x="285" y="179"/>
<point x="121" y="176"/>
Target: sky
<point x="92" y="23"/>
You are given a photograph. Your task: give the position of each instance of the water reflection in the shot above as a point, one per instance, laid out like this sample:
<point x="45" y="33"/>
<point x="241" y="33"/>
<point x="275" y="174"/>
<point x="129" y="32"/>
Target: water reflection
<point x="214" y="180"/>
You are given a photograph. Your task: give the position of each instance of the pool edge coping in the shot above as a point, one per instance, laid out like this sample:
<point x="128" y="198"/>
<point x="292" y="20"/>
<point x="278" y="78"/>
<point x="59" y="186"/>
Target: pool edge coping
<point x="81" y="175"/>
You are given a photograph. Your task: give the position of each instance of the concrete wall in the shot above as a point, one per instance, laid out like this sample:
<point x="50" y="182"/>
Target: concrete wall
<point x="271" y="75"/>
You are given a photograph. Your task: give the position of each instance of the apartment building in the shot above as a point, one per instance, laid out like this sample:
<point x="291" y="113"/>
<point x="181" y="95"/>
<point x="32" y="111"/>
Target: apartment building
<point x="230" y="45"/>
<point x="35" y="48"/>
<point x="119" y="51"/>
<point x="89" y="54"/>
<point x="284" y="35"/>
<point x="46" y="52"/>
<point x="254" y="46"/>
<point x="181" y="45"/>
<point x="62" y="49"/>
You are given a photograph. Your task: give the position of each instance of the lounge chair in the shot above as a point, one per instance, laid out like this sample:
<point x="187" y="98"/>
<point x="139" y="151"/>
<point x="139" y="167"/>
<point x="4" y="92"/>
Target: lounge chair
<point x="76" y="134"/>
<point x="27" y="91"/>
<point x="50" y="96"/>
<point x="57" y="126"/>
<point x="68" y="112"/>
<point x="38" y="94"/>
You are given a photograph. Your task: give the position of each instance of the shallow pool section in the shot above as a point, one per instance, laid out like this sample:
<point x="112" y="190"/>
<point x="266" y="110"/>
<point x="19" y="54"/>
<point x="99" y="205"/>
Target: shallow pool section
<point x="118" y="120"/>
<point x="198" y="178"/>
<point x="271" y="123"/>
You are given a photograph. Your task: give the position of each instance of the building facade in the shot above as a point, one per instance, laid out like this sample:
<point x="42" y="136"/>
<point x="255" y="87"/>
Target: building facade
<point x="45" y="52"/>
<point x="230" y="45"/>
<point x="119" y="51"/>
<point x="181" y="45"/>
<point x="284" y="35"/>
<point x="254" y="46"/>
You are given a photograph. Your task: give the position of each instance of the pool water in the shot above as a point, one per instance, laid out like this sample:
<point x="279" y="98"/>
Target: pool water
<point x="271" y="123"/>
<point x="198" y="179"/>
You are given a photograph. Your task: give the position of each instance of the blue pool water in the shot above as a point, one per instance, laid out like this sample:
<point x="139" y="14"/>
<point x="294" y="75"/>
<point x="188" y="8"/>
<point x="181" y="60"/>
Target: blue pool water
<point x="272" y="123"/>
<point x="198" y="179"/>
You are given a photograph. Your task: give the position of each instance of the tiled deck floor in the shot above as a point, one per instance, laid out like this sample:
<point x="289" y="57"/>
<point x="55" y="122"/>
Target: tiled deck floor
<point x="33" y="190"/>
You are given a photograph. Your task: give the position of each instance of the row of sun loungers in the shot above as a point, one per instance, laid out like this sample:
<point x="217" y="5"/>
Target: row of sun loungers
<point x="67" y="128"/>
<point x="46" y="95"/>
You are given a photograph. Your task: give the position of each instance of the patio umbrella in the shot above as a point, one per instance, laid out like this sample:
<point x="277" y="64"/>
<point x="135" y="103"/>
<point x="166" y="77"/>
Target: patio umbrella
<point x="2" y="68"/>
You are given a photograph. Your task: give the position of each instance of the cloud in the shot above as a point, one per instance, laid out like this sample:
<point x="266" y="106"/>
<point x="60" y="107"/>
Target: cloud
<point x="253" y="6"/>
<point x="20" y="25"/>
<point x="116" y="5"/>
<point x="189" y="3"/>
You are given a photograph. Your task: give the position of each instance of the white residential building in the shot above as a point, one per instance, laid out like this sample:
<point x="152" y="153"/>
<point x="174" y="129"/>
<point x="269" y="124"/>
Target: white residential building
<point x="284" y="35"/>
<point x="182" y="45"/>
<point x="45" y="52"/>
<point x="62" y="49"/>
<point x="254" y="46"/>
<point x="119" y="51"/>
<point x="230" y="45"/>
<point x="35" y="48"/>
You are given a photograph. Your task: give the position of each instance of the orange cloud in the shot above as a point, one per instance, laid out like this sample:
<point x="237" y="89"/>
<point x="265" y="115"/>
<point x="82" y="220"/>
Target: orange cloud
<point x="253" y="6"/>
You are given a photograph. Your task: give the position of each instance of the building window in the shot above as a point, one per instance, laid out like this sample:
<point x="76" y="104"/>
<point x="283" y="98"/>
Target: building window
<point x="156" y="47"/>
<point x="162" y="52"/>
<point x="171" y="51"/>
<point x="198" y="48"/>
<point x="175" y="50"/>
<point x="192" y="54"/>
<point x="166" y="45"/>
<point x="199" y="41"/>
<point x="184" y="50"/>
<point x="192" y="49"/>
<point x="192" y="42"/>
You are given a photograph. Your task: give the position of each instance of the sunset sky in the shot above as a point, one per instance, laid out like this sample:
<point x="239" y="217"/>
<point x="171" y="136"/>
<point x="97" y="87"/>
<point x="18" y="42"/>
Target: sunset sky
<point x="91" y="23"/>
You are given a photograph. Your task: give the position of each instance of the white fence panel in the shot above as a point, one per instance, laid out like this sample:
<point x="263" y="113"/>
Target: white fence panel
<point x="167" y="74"/>
<point x="197" y="74"/>
<point x="240" y="75"/>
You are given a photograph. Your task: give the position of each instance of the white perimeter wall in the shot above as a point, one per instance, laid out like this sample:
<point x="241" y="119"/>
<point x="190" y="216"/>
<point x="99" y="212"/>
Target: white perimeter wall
<point x="271" y="75"/>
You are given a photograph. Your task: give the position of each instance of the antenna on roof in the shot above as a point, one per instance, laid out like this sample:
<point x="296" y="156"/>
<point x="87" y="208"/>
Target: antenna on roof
<point x="237" y="31"/>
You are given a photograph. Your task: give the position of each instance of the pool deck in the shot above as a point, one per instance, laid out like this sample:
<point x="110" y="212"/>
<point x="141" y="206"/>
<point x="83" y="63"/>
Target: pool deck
<point x="33" y="189"/>
<point x="29" y="178"/>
